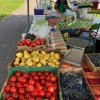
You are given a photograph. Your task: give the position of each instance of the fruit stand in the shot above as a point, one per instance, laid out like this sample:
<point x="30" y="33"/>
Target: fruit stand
<point x="40" y="69"/>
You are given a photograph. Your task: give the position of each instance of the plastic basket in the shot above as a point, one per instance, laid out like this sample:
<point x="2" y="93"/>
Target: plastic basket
<point x="28" y="70"/>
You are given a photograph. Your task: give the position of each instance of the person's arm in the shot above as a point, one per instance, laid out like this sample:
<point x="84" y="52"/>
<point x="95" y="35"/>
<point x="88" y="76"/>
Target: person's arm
<point x="68" y="5"/>
<point x="56" y="6"/>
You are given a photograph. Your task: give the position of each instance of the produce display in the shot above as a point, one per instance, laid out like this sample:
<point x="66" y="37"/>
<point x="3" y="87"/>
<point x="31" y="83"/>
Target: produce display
<point x="32" y="43"/>
<point x="31" y="86"/>
<point x="56" y="41"/>
<point x="44" y="69"/>
<point x="37" y="59"/>
<point x="95" y="58"/>
<point x="74" y="87"/>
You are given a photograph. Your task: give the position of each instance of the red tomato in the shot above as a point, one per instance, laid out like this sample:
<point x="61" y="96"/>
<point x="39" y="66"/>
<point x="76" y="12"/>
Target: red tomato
<point x="7" y="96"/>
<point x="23" y="41"/>
<point x="98" y="98"/>
<point x="39" y="74"/>
<point x="37" y="42"/>
<point x="27" y="95"/>
<point x="47" y="73"/>
<point x="53" y="79"/>
<point x="25" y="75"/>
<point x="38" y="98"/>
<point x="34" y="93"/>
<point x="55" y="86"/>
<point x="21" y="90"/>
<point x="53" y="98"/>
<point x="12" y="83"/>
<point x="39" y="88"/>
<point x="31" y="45"/>
<point x="13" y="89"/>
<point x="42" y="77"/>
<point x="43" y="39"/>
<point x="29" y="88"/>
<point x="41" y="93"/>
<point x="51" y="74"/>
<point x="35" y="77"/>
<point x="18" y="84"/>
<point x="18" y="74"/>
<point x="55" y="94"/>
<point x="10" y="98"/>
<point x="7" y="89"/>
<point x="45" y="89"/>
<point x="22" y="80"/>
<point x="33" y="73"/>
<point x="51" y="89"/>
<point x="20" y="44"/>
<point x="42" y="42"/>
<point x="43" y="82"/>
<point x="37" y="84"/>
<point x="30" y="77"/>
<point x="31" y="98"/>
<point x="15" y="95"/>
<point x="21" y="97"/>
<point x="48" y="78"/>
<point x="48" y="83"/>
<point x="28" y="41"/>
<point x="48" y="95"/>
<point x="25" y="85"/>
<point x="34" y="44"/>
<point x="13" y="78"/>
<point x="31" y="82"/>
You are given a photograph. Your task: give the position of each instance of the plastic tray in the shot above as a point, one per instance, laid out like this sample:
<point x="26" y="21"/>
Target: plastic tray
<point x="74" y="56"/>
<point x="77" y="43"/>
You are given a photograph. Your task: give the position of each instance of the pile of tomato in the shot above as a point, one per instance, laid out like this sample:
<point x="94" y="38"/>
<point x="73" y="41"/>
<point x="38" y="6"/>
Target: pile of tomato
<point x="32" y="86"/>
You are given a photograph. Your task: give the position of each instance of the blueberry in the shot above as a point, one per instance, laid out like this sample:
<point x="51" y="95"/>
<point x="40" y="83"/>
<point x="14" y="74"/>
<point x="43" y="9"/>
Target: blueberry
<point x="74" y="87"/>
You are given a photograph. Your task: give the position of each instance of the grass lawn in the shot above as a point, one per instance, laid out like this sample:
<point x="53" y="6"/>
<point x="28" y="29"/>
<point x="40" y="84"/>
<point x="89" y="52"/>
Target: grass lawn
<point x="8" y="6"/>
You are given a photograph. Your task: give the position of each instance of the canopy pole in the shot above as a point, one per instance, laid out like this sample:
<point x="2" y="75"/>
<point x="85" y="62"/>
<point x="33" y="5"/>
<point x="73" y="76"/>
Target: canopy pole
<point x="28" y="19"/>
<point x="37" y="3"/>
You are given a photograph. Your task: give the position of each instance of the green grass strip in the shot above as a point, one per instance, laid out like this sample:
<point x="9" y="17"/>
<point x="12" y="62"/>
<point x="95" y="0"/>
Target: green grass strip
<point x="8" y="6"/>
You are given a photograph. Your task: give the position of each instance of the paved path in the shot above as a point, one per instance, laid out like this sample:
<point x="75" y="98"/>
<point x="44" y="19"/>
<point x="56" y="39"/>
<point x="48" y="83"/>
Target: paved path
<point x="10" y="32"/>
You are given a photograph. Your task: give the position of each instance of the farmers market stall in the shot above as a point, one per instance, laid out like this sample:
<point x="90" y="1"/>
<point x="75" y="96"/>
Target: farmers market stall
<point x="52" y="65"/>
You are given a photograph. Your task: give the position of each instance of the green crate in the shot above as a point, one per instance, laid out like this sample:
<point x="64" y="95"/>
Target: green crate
<point x="28" y="69"/>
<point x="75" y="24"/>
<point x="47" y="67"/>
<point x="0" y="96"/>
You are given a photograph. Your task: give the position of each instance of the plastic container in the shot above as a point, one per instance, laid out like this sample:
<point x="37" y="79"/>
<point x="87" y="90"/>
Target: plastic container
<point x="38" y="11"/>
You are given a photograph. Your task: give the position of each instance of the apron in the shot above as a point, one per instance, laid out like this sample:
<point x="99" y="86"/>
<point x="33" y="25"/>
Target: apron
<point x="62" y="8"/>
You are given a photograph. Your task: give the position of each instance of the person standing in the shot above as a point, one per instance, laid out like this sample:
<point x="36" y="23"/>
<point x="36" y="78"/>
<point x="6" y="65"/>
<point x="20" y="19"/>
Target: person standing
<point x="61" y="6"/>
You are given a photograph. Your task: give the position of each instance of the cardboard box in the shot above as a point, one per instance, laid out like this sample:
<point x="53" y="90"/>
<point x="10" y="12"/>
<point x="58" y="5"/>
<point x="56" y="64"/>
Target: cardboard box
<point x="34" y="48"/>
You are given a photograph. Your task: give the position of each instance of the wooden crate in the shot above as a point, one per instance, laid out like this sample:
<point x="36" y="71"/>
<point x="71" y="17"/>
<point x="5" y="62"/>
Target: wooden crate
<point x="90" y="63"/>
